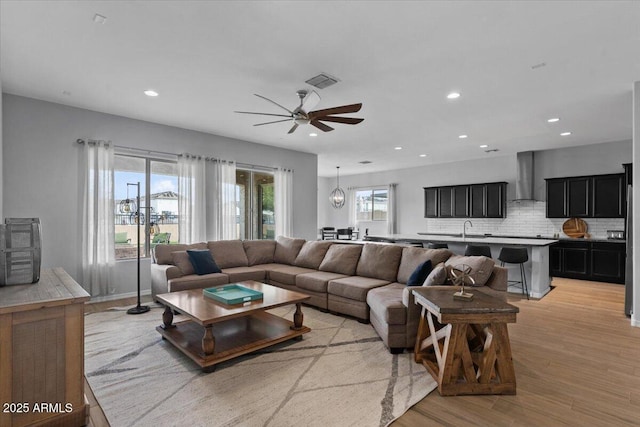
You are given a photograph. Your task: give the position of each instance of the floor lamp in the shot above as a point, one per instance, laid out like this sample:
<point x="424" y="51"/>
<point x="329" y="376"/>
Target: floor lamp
<point x="138" y="309"/>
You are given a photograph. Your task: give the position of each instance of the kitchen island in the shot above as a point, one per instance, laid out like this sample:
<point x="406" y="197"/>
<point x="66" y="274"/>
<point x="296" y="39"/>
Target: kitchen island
<point x="536" y="269"/>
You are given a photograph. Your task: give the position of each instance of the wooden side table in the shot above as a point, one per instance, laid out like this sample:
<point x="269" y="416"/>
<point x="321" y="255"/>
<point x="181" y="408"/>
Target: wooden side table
<point x="465" y="344"/>
<point x="42" y="352"/>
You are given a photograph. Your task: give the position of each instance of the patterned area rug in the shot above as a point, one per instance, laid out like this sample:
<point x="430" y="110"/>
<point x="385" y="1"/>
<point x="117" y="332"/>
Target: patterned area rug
<point x="340" y="374"/>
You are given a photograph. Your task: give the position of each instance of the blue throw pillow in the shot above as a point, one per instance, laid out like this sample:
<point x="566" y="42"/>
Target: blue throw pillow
<point x="420" y="274"/>
<point x="203" y="262"/>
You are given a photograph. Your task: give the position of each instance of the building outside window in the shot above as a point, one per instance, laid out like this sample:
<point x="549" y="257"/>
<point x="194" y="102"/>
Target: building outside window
<point x="158" y="199"/>
<point x="255" y="211"/>
<point x="371" y="205"/>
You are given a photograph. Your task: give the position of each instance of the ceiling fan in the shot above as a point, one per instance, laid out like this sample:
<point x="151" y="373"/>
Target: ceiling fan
<point x="302" y="115"/>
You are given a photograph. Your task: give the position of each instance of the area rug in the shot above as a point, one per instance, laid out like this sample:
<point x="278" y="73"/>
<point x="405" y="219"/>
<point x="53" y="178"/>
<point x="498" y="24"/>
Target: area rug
<point x="340" y="374"/>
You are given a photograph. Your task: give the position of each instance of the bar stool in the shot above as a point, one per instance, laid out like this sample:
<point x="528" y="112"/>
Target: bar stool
<point x="516" y="255"/>
<point x="477" y="250"/>
<point x="431" y="245"/>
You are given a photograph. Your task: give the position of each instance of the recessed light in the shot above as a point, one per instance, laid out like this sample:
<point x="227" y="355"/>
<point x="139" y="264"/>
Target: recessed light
<point x="484" y="146"/>
<point x="462" y="136"/>
<point x="565" y="134"/>
<point x="423" y="155"/>
<point x="453" y="95"/>
<point x="397" y="148"/>
<point x="150" y="92"/>
<point x="554" y="119"/>
<point x="313" y="134"/>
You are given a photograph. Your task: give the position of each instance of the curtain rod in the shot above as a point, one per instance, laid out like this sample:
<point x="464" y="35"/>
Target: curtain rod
<point x="140" y="150"/>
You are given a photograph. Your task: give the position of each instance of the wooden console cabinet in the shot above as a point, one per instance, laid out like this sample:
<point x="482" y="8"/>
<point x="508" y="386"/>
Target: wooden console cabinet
<point x="42" y="352"/>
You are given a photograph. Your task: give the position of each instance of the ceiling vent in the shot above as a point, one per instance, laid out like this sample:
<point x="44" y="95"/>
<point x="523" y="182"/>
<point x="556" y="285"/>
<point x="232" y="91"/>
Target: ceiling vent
<point x="493" y="150"/>
<point x="322" y="81"/>
<point x="365" y="162"/>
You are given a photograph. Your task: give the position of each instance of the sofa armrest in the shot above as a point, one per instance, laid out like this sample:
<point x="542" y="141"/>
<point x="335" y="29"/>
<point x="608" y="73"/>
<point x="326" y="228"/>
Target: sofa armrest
<point x="498" y="279"/>
<point x="160" y="276"/>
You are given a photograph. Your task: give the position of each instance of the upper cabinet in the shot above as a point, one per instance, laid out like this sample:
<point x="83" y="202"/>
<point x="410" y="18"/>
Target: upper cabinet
<point x="598" y="196"/>
<point x="466" y="201"/>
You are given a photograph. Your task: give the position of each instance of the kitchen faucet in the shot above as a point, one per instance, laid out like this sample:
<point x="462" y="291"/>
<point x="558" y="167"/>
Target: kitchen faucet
<point x="464" y="228"/>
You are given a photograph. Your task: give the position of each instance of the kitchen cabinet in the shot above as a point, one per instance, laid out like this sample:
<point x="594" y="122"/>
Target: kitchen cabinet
<point x="596" y="261"/>
<point x="466" y="201"/>
<point x="596" y="196"/>
<point x="431" y="202"/>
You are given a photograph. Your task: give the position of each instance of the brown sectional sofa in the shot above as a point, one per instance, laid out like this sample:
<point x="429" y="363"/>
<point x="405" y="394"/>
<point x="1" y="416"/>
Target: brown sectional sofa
<point x="364" y="281"/>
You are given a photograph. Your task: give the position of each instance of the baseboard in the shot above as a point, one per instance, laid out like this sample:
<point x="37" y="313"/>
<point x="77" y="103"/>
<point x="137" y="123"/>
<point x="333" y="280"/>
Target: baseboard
<point x="117" y="296"/>
<point x="635" y="321"/>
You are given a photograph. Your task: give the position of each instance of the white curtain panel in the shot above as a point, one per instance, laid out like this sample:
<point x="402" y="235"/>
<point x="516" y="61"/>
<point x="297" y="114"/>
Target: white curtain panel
<point x="98" y="227"/>
<point x="351" y="207"/>
<point x="191" y="199"/>
<point x="391" y="209"/>
<point x="225" y="201"/>
<point x="283" y="202"/>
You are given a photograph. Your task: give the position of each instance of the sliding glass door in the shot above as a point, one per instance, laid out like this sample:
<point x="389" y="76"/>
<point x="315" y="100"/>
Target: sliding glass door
<point x="254" y="192"/>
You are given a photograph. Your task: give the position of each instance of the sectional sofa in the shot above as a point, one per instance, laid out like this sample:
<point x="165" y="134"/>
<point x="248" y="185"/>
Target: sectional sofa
<point x="366" y="281"/>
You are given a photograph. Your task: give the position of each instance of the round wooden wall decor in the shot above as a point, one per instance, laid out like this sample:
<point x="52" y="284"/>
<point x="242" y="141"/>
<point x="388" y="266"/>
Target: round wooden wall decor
<point x="574" y="227"/>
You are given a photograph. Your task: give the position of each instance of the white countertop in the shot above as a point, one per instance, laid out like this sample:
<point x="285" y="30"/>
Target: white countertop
<point x="469" y="239"/>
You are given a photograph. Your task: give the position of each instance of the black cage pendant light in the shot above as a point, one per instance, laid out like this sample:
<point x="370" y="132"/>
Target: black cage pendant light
<point x="337" y="197"/>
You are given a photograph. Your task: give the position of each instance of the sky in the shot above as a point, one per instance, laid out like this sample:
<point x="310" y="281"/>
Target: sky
<point x="159" y="183"/>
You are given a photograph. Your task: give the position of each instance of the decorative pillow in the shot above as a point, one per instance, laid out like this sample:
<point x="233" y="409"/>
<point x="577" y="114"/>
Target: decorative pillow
<point x="181" y="260"/>
<point x="420" y="274"/>
<point x="438" y="276"/>
<point x="379" y="261"/>
<point x="341" y="259"/>
<point x="203" y="262"/>
<point x="162" y="252"/>
<point x="413" y="257"/>
<point x="228" y="253"/>
<point x="481" y="267"/>
<point x="312" y="254"/>
<point x="259" y="251"/>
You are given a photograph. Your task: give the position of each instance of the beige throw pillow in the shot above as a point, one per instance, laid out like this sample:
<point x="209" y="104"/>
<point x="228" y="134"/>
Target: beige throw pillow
<point x="181" y="260"/>
<point x="438" y="276"/>
<point x="481" y="267"/>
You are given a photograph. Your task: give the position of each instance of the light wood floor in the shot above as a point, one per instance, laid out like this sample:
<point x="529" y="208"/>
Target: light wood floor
<point x="576" y="357"/>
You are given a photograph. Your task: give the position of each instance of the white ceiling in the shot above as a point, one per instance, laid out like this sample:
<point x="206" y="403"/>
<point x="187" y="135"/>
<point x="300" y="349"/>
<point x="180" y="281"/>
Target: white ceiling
<point x="400" y="59"/>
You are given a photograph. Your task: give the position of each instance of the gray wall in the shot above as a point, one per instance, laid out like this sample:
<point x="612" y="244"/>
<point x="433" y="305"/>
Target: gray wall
<point x="42" y="165"/>
<point x="585" y="160"/>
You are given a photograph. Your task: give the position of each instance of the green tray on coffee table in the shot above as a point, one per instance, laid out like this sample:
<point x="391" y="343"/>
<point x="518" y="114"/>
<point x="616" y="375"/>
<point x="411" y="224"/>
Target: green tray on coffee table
<point x="232" y="294"/>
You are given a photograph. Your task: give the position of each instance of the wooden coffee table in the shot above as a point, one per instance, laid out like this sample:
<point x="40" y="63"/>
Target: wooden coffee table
<point x="216" y="332"/>
<point x="465" y="344"/>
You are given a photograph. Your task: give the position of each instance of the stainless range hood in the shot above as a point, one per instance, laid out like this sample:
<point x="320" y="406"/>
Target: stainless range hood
<point x="524" y="178"/>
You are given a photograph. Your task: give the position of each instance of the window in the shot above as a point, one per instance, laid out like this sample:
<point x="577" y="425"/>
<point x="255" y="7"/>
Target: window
<point x="158" y="199"/>
<point x="254" y="192"/>
<point x="371" y="205"/>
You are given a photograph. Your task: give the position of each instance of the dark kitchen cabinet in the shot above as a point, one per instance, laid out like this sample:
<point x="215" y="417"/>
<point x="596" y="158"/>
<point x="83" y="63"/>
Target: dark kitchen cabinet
<point x="461" y="201"/>
<point x="597" y="196"/>
<point x="608" y="196"/>
<point x="578" y="197"/>
<point x="445" y="202"/>
<point x="596" y="261"/>
<point x="478" y="197"/>
<point x="466" y="201"/>
<point x="431" y="202"/>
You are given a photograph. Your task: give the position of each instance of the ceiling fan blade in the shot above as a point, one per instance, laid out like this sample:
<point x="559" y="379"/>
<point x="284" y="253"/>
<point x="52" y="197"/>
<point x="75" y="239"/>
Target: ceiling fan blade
<point x="345" y="120"/>
<point x="310" y="101"/>
<point x="274" y="102"/>
<point x="262" y="114"/>
<point x="352" y="108"/>
<point x="268" y="123"/>
<point x="321" y="126"/>
<point x="295" y="126"/>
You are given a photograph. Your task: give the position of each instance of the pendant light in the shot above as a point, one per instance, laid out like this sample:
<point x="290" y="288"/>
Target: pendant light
<point x="337" y="196"/>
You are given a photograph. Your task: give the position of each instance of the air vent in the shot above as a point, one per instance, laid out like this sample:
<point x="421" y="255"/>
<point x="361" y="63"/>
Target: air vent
<point x="322" y="81"/>
<point x="365" y="162"/>
<point x="491" y="151"/>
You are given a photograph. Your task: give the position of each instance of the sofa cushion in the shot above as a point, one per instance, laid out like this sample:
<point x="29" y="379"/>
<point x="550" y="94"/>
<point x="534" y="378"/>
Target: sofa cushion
<point x="420" y="274"/>
<point x="181" y="260"/>
<point x="312" y="254"/>
<point x="287" y="274"/>
<point x="202" y="261"/>
<point x="228" y="253"/>
<point x="438" y="276"/>
<point x="481" y="267"/>
<point x="240" y="274"/>
<point x="163" y="252"/>
<point x="287" y="250"/>
<point x="354" y="287"/>
<point x="316" y="281"/>
<point x="412" y="257"/>
<point x="341" y="258"/>
<point x="197" y="282"/>
<point x="259" y="251"/>
<point x="379" y="261"/>
<point x="387" y="303"/>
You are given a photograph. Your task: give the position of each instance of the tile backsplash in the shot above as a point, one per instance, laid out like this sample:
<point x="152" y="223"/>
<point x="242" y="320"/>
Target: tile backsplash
<point x="524" y="218"/>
